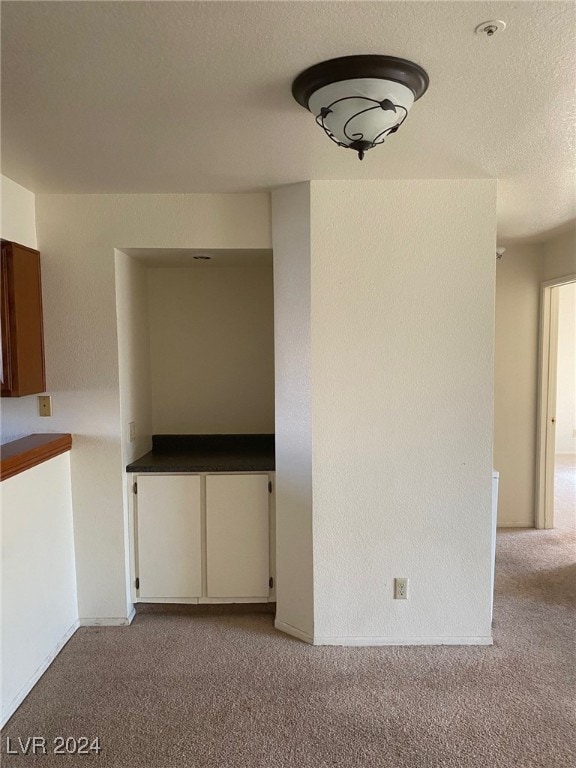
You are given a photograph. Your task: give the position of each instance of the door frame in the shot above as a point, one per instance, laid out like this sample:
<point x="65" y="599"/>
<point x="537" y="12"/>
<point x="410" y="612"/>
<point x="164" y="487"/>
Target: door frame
<point x="547" y="381"/>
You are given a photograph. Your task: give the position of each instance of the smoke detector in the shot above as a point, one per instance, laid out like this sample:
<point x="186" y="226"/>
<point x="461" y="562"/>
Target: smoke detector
<point x="490" y="28"/>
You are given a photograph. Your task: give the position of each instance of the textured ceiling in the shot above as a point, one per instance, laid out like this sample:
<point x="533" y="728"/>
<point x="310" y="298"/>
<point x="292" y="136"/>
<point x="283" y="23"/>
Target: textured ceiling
<point x="195" y="97"/>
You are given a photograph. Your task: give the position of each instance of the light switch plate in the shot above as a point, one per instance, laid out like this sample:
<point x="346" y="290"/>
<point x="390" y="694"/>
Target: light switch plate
<point x="132" y="431"/>
<point x="44" y="405"/>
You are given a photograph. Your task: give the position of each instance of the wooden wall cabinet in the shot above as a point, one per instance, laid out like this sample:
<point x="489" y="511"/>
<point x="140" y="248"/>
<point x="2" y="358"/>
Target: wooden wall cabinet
<point x="22" y="365"/>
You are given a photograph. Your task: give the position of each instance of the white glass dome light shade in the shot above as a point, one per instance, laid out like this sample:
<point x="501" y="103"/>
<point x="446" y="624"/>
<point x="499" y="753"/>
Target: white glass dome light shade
<point x="360" y="100"/>
<point x="355" y="111"/>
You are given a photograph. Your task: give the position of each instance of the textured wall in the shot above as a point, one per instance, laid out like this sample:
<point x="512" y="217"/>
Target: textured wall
<point x="18" y="215"/>
<point x="77" y="235"/>
<point x="402" y="369"/>
<point x="134" y="382"/>
<point x="133" y="355"/>
<point x="560" y="255"/>
<point x="212" y="349"/>
<point x="516" y="381"/>
<point x="39" y="605"/>
<point x="384" y="313"/>
<point x="566" y="388"/>
<point x="294" y="576"/>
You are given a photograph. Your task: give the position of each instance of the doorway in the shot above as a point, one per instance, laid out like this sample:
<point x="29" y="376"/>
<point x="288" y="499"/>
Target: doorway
<point x="556" y="499"/>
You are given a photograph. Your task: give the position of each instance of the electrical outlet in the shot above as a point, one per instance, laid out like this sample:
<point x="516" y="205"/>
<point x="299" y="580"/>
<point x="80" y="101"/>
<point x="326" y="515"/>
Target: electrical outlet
<point x="44" y="405"/>
<point x="132" y="430"/>
<point x="400" y="589"/>
<point x="574" y="433"/>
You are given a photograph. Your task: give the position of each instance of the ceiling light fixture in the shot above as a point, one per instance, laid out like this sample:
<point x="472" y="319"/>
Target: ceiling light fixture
<point x="360" y="100"/>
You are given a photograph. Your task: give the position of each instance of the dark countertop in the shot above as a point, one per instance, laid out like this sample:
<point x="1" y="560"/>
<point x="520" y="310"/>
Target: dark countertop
<point x="207" y="453"/>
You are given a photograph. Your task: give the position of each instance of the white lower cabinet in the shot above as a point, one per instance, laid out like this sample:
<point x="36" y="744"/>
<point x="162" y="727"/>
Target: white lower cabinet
<point x="237" y="536"/>
<point x="169" y="536"/>
<point x="202" y="538"/>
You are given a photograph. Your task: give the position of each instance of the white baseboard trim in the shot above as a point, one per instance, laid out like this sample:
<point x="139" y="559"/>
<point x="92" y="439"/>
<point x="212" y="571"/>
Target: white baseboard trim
<point x="110" y="622"/>
<point x="377" y="641"/>
<point x="10" y="708"/>
<point x="294" y="631"/>
<point x="515" y="525"/>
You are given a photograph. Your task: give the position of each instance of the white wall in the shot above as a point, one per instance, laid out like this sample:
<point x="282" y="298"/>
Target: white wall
<point x="133" y="372"/>
<point x="294" y="566"/>
<point x="402" y="388"/>
<point x="39" y="605"/>
<point x="39" y="602"/>
<point x="77" y="236"/>
<point x="133" y="355"/>
<point x="212" y="349"/>
<point x="516" y="382"/>
<point x="566" y="385"/>
<point x="401" y="391"/>
<point x="559" y="255"/>
<point x="17" y="213"/>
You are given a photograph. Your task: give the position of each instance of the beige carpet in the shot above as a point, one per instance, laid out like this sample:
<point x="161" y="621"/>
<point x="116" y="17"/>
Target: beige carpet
<point x="175" y="691"/>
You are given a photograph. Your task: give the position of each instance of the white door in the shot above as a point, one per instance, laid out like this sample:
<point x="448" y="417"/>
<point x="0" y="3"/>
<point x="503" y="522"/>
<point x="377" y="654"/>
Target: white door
<point x="168" y="509"/>
<point x="238" y="563"/>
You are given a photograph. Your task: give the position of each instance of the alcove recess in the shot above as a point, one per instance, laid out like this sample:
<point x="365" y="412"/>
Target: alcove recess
<point x="196" y="343"/>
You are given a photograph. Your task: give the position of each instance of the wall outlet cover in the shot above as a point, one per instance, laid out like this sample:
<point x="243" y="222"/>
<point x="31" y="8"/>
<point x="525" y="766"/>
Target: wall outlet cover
<point x="401" y="589"/>
<point x="44" y="405"/>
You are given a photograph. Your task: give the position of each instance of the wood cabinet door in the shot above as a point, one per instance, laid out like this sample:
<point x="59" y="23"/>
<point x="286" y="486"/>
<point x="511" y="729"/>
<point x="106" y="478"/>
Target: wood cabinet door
<point x="169" y="557"/>
<point x="237" y="536"/>
<point x="21" y="319"/>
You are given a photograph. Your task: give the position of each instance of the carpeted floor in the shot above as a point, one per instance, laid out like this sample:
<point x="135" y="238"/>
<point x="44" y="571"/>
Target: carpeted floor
<point x="175" y="691"/>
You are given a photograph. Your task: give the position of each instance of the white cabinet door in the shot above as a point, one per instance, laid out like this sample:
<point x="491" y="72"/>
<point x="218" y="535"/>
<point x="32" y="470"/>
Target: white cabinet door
<point x="169" y="536"/>
<point x="238" y="563"/>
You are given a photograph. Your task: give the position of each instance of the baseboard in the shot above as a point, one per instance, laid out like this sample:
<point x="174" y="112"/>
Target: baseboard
<point x="515" y="525"/>
<point x="377" y="641"/>
<point x="294" y="631"/>
<point x="110" y="622"/>
<point x="10" y="708"/>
